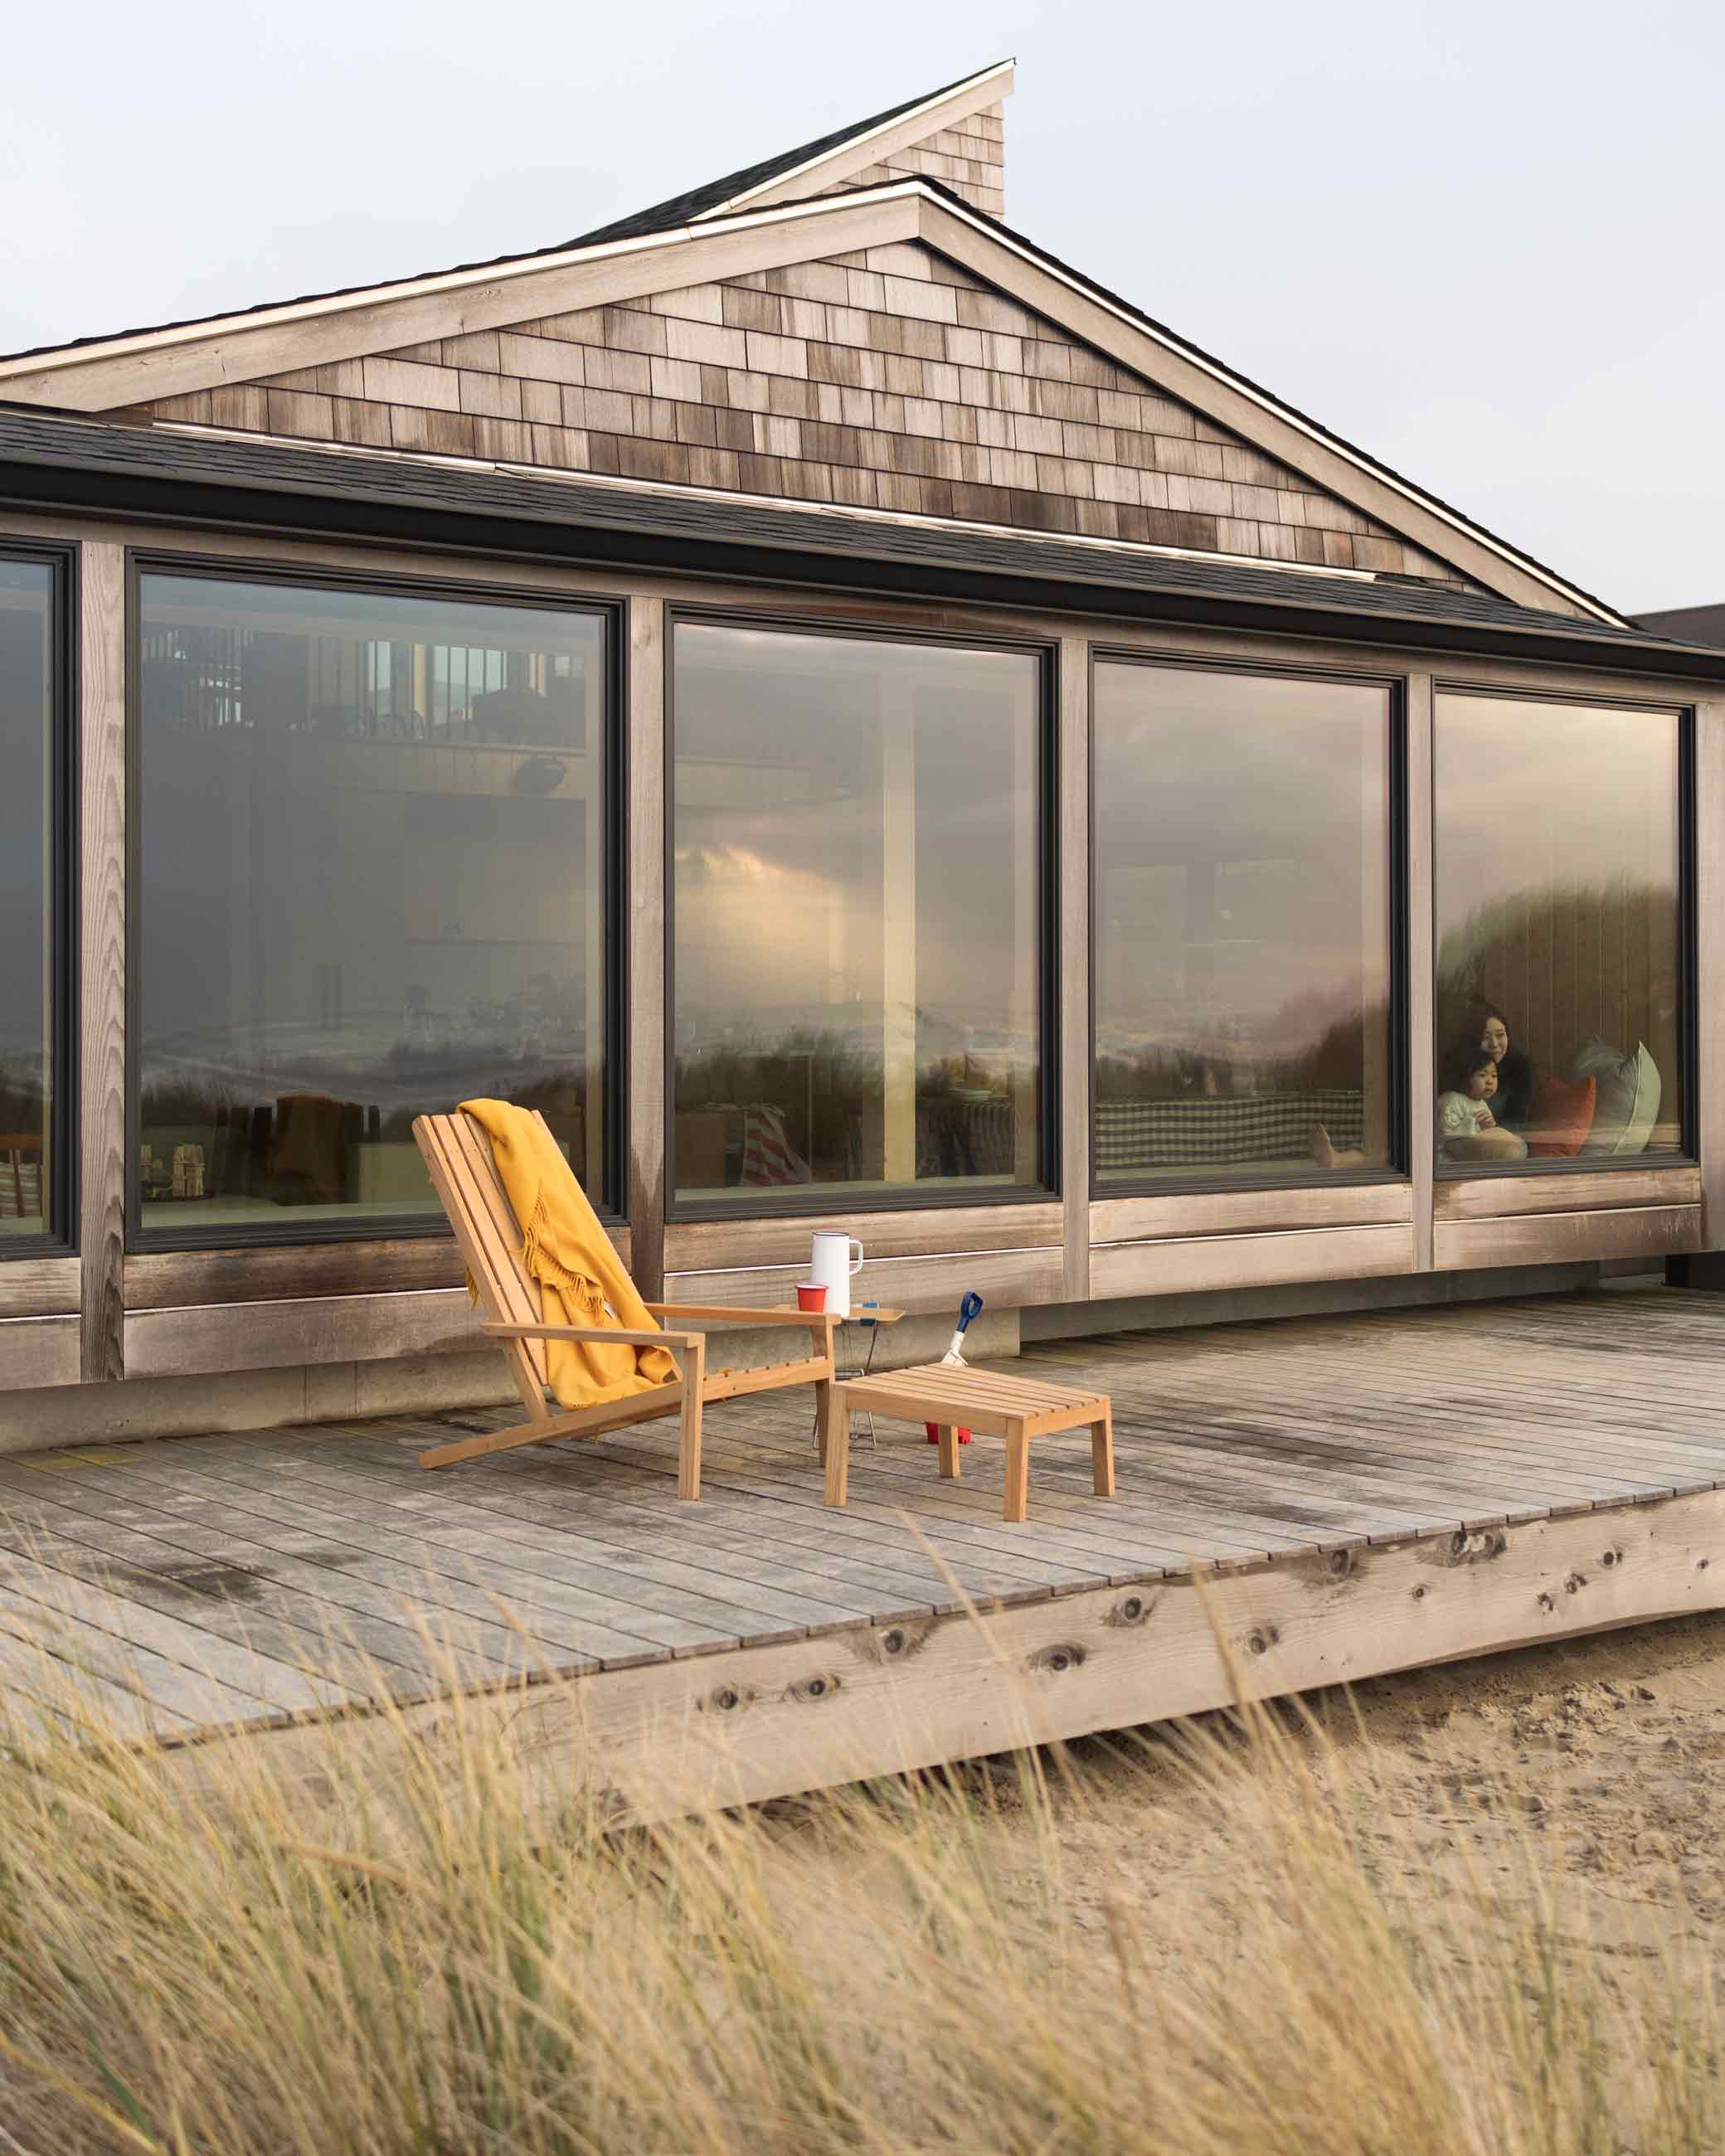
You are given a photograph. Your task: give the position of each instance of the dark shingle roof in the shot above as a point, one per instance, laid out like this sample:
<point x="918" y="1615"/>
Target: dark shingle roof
<point x="663" y="216"/>
<point x="1696" y="624"/>
<point x="698" y="202"/>
<point x="164" y="475"/>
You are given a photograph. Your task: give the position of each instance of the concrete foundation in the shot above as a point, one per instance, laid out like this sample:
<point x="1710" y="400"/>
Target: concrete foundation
<point x="1066" y="1320"/>
<point x="198" y="1405"/>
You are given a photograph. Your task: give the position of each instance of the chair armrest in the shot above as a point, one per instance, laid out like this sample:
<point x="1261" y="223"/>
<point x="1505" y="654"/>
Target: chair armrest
<point x="717" y="1313"/>
<point x="819" y="1324"/>
<point x="613" y="1332"/>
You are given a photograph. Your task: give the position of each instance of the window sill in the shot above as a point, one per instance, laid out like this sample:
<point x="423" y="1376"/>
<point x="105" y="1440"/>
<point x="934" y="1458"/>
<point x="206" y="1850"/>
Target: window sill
<point x="1219" y="1185"/>
<point x="1597" y="1164"/>
<point x="767" y="1203"/>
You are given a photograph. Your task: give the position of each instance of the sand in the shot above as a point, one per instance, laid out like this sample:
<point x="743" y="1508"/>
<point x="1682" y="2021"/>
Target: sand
<point x="1604" y="1750"/>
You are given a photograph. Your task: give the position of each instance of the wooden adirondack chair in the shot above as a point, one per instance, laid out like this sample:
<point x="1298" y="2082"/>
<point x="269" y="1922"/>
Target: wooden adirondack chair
<point x="458" y="1155"/>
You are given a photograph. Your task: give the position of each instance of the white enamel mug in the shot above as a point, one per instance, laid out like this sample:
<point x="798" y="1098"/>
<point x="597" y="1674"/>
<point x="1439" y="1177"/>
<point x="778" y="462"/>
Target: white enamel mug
<point x="834" y="1261"/>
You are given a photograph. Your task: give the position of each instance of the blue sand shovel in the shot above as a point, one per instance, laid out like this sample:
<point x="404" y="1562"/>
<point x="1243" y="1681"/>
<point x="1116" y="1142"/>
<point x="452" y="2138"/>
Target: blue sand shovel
<point x="971" y="1307"/>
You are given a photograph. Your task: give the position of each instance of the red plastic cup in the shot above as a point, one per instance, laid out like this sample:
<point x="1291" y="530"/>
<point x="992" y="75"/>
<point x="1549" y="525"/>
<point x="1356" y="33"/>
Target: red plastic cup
<point x="811" y="1294"/>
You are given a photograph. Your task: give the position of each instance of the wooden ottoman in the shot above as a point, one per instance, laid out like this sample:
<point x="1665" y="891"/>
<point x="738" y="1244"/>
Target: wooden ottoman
<point x="951" y="1396"/>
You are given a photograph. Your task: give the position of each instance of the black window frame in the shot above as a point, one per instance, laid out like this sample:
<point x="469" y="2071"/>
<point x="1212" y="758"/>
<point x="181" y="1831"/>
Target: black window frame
<point x="60" y="1232"/>
<point x="757" y="1203"/>
<point x="1688" y="957"/>
<point x="610" y="1204"/>
<point x="1221" y="1180"/>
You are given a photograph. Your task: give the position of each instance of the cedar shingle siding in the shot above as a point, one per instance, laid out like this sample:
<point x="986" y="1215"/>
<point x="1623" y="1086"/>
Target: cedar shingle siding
<point x="886" y="380"/>
<point x="969" y="157"/>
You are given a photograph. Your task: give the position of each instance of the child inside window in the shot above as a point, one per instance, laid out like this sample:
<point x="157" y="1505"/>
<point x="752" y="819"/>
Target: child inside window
<point x="1466" y="1128"/>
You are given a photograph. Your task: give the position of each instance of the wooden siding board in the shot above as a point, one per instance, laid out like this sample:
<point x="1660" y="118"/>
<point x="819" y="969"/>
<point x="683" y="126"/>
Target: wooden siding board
<point x="1421" y="945"/>
<point x="1072" y="914"/>
<point x="40" y="1350"/>
<point x="1710" y="960"/>
<point x="1250" y="1259"/>
<point x="1628" y="1231"/>
<point x="644" y="932"/>
<point x="1572" y="1190"/>
<point x="102" y="956"/>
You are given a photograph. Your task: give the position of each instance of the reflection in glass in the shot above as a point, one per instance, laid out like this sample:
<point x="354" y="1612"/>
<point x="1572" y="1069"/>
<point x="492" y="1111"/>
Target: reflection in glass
<point x="1242" y="925"/>
<point x="26" y="867"/>
<point x="1558" y="972"/>
<point x="856" y="889"/>
<point x="371" y="861"/>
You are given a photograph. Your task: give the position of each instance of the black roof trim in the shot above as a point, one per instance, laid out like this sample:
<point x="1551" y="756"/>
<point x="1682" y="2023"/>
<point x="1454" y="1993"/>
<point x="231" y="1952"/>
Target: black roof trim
<point x="668" y="216"/>
<point x="169" y="476"/>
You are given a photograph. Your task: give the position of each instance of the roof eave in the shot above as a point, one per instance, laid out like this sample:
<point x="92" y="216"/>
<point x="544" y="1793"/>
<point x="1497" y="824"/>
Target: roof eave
<point x="190" y="501"/>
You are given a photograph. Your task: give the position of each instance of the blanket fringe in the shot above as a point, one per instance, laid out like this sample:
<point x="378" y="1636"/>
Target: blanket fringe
<point x="545" y="1267"/>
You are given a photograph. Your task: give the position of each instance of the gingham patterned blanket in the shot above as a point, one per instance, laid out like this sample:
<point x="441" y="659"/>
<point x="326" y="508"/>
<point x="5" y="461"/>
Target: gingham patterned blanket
<point x="1203" y="1132"/>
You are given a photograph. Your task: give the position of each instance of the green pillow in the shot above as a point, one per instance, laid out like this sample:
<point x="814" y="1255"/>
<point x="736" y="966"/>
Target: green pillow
<point x="1649" y="1089"/>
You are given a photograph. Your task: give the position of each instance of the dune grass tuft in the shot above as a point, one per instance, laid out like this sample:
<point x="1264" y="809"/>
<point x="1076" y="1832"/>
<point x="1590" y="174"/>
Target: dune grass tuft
<point x="258" y="1962"/>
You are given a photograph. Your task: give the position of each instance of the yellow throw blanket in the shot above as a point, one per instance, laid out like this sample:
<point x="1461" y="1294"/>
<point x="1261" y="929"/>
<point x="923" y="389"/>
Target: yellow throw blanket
<point x="569" y="1254"/>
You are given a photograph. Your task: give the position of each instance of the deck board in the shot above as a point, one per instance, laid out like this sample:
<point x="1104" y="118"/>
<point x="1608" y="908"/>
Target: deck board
<point x="233" y="1578"/>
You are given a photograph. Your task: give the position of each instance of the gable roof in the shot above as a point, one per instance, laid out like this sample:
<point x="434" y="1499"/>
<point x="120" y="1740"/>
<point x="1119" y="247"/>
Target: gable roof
<point x="802" y="164"/>
<point x="662" y="250"/>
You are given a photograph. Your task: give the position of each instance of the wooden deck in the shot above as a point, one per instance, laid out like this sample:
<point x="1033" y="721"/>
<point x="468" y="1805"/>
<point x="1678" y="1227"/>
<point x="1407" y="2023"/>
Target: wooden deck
<point x="1299" y="1502"/>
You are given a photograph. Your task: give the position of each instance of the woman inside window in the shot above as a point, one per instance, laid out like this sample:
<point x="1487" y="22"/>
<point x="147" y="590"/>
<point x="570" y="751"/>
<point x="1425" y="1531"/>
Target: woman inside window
<point x="1512" y="1102"/>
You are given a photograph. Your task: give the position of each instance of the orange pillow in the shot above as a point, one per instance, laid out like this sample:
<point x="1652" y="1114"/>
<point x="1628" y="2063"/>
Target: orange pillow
<point x="1563" y="1116"/>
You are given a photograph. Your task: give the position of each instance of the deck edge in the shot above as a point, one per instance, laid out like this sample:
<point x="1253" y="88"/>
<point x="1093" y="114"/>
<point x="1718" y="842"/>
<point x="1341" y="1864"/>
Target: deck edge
<point x="879" y="1698"/>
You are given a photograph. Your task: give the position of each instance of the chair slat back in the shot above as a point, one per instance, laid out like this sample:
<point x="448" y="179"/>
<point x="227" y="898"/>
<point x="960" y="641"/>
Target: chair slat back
<point x="458" y="1156"/>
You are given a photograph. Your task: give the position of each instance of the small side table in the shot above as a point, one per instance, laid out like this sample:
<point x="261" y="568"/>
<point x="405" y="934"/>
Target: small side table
<point x="948" y="1394"/>
<point x="864" y="1316"/>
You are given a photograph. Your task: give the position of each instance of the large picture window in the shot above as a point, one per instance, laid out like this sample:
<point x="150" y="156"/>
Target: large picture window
<point x="857" y="892"/>
<point x="371" y="865"/>
<point x="29" y="612"/>
<point x="1559" y="1026"/>
<point x="1242" y="925"/>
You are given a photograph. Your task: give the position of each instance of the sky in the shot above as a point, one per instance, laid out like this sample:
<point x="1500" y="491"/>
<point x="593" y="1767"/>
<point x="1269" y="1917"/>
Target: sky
<point x="1482" y="242"/>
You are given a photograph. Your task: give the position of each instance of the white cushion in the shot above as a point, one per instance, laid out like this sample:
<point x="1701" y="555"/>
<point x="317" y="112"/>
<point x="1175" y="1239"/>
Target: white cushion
<point x="1649" y="1090"/>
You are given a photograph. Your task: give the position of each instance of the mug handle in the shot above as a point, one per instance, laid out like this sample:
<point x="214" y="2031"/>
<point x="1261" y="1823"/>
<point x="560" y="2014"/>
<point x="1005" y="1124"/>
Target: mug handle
<point x="856" y="1262"/>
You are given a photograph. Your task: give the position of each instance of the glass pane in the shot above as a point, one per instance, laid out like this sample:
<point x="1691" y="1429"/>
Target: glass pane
<point x="26" y="869"/>
<point x="1242" y="925"/>
<point x="1558" y="988"/>
<point x="856" y="889"/>
<point x="372" y="875"/>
